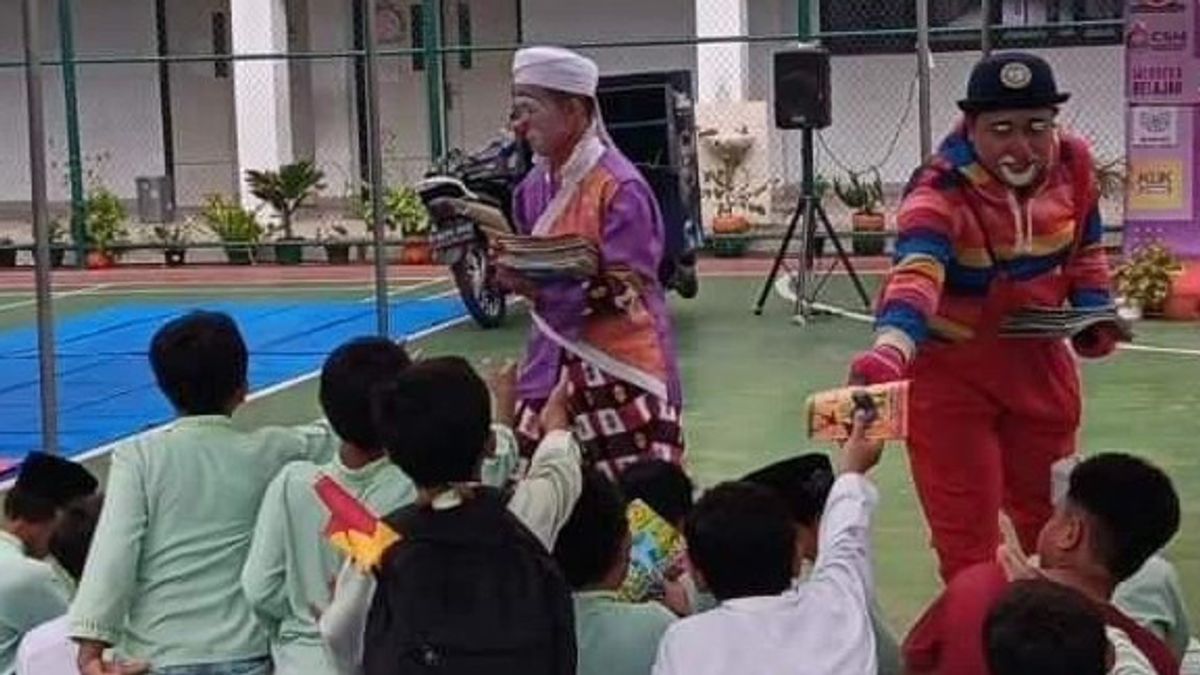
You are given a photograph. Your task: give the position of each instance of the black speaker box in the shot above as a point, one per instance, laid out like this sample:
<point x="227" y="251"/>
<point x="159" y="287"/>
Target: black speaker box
<point x="802" y="89"/>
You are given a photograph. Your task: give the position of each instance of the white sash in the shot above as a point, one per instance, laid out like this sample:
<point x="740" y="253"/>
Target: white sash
<point x="583" y="159"/>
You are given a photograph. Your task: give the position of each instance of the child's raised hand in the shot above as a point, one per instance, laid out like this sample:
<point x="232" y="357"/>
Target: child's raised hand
<point x="556" y="414"/>
<point x="502" y="382"/>
<point x="860" y="454"/>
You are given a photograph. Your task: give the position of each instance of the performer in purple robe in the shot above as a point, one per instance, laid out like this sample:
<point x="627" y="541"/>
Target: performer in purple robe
<point x="610" y="335"/>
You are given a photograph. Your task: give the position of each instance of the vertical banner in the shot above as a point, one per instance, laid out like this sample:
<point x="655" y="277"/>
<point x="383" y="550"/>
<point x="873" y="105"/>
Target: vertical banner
<point x="1162" y="56"/>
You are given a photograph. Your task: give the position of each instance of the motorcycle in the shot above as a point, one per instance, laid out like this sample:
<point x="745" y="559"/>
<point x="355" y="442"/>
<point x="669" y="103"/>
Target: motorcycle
<point x="468" y="195"/>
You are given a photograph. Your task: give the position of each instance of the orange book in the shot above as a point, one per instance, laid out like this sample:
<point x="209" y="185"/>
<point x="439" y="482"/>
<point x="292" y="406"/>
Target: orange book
<point x="831" y="413"/>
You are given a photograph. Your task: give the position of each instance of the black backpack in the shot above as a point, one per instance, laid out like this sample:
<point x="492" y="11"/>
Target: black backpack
<point x="468" y="590"/>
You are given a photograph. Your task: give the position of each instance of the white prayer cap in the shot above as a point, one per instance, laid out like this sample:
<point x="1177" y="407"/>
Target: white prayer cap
<point x="556" y="68"/>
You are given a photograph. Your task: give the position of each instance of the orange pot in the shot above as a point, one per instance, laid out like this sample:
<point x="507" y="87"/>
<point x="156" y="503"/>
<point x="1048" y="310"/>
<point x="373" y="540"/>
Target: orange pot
<point x="868" y="222"/>
<point x="100" y="260"/>
<point x="1183" y="302"/>
<point x="416" y="253"/>
<point x="734" y="224"/>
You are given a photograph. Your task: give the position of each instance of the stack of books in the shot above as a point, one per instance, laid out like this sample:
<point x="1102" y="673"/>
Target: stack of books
<point x="545" y="258"/>
<point x="1062" y="323"/>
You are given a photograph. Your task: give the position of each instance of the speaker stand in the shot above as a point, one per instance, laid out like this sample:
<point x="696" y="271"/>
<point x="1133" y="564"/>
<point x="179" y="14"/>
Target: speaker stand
<point x="810" y="210"/>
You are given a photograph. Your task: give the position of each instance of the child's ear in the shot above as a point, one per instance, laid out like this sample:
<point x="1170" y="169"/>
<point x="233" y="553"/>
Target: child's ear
<point x="698" y="577"/>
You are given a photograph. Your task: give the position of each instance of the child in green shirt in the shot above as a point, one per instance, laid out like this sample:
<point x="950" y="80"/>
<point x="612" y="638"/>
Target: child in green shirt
<point x="613" y="637"/>
<point x="290" y="567"/>
<point x="162" y="582"/>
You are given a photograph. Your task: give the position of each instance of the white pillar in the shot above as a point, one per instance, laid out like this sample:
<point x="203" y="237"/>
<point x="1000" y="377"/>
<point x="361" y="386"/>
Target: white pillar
<point x="261" y="95"/>
<point x="722" y="68"/>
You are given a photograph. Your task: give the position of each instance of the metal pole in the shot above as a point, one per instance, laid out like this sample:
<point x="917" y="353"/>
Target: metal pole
<point x="375" y="169"/>
<point x="66" y="38"/>
<point x="41" y="233"/>
<point x="923" y="61"/>
<point x="803" y="20"/>
<point x="985" y="38"/>
<point x="435" y="81"/>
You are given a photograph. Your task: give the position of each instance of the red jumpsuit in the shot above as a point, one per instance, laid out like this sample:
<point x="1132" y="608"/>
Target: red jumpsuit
<point x="989" y="415"/>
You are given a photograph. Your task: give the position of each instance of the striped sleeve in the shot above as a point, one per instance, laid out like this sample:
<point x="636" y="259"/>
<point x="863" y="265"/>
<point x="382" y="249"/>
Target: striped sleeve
<point x="1087" y="270"/>
<point x="914" y="285"/>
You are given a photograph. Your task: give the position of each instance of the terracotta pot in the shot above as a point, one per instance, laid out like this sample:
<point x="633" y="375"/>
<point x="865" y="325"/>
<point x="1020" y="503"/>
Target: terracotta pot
<point x="734" y="224"/>
<point x="416" y="253"/>
<point x="100" y="260"/>
<point x="868" y="223"/>
<point x="1183" y="301"/>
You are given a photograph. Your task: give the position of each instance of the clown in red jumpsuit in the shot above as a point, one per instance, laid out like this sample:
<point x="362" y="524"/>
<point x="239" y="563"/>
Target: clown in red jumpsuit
<point x="1003" y="217"/>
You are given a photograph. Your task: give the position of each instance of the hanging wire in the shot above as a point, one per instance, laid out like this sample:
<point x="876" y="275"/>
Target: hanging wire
<point x="891" y="146"/>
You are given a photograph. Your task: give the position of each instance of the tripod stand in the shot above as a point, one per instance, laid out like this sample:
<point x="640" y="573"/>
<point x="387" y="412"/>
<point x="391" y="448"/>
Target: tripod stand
<point x="809" y="207"/>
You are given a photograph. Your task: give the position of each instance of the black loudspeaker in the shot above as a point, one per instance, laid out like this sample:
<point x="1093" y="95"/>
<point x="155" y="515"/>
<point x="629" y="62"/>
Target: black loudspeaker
<point x="802" y="89"/>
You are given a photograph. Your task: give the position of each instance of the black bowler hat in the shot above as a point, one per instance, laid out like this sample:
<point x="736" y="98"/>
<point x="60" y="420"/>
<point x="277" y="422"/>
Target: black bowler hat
<point x="54" y="479"/>
<point x="1011" y="81"/>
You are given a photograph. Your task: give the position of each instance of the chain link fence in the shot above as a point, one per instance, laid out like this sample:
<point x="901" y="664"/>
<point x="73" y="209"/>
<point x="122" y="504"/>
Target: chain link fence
<point x="194" y="92"/>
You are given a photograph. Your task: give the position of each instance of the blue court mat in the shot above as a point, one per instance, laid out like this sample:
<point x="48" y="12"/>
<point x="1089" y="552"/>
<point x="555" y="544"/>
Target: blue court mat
<point x="106" y="388"/>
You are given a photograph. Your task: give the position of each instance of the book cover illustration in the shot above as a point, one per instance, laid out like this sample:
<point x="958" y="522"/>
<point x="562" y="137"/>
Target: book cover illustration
<point x="657" y="553"/>
<point x="831" y="413"/>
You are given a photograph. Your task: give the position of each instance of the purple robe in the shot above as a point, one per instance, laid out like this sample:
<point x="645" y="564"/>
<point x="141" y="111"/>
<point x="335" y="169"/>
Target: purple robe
<point x="631" y="235"/>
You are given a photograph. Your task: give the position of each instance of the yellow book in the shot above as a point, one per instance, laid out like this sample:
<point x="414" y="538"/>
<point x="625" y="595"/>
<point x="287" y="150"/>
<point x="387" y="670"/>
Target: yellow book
<point x="831" y="413"/>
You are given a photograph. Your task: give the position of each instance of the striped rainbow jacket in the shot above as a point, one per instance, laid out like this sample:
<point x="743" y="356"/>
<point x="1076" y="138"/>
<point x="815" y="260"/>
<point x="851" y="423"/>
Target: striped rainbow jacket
<point x="961" y="231"/>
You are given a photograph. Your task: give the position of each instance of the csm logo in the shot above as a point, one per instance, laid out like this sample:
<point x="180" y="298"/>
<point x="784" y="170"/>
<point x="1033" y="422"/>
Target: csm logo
<point x="1141" y="37"/>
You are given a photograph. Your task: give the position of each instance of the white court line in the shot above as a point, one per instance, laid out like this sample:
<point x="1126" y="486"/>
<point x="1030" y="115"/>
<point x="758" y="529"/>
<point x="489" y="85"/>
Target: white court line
<point x="1149" y="349"/>
<point x="262" y="393"/>
<point x="333" y="281"/>
<point x="406" y="289"/>
<point x="56" y="296"/>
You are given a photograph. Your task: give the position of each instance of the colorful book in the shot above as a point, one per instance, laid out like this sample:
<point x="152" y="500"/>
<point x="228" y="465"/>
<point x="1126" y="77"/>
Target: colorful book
<point x="657" y="553"/>
<point x="831" y="413"/>
<point x="354" y="529"/>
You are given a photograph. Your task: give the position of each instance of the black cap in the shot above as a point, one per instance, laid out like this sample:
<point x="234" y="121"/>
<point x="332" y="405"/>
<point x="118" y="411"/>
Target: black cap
<point x="54" y="478"/>
<point x="1011" y="81"/>
<point x="802" y="482"/>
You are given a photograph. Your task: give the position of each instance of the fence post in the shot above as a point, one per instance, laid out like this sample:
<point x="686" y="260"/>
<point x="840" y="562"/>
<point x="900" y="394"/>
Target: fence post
<point x="41" y="235"/>
<point x="923" y="93"/>
<point x="985" y="36"/>
<point x="803" y="20"/>
<point x="434" y="76"/>
<point x="375" y="172"/>
<point x="66" y="39"/>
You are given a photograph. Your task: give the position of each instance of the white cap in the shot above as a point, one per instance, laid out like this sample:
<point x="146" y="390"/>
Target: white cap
<point x="557" y="69"/>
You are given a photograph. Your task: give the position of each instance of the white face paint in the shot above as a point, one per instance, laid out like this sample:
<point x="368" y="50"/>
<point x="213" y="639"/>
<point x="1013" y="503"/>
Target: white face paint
<point x="1016" y="175"/>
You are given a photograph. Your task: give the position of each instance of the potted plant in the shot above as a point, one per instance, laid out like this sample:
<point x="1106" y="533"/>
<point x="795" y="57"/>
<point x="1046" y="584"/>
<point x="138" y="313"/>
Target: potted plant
<point x="285" y="191"/>
<point x="727" y="186"/>
<point x="234" y="226"/>
<point x="405" y="209"/>
<point x="337" y="250"/>
<point x="1144" y="280"/>
<point x="104" y="227"/>
<point x="174" y="239"/>
<point x="862" y="193"/>
<point x="360" y="208"/>
<point x="8" y="254"/>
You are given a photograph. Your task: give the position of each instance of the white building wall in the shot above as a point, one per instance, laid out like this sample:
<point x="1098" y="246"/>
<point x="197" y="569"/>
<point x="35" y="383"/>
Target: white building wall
<point x="120" y="112"/>
<point x="566" y="21"/>
<point x="118" y="104"/>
